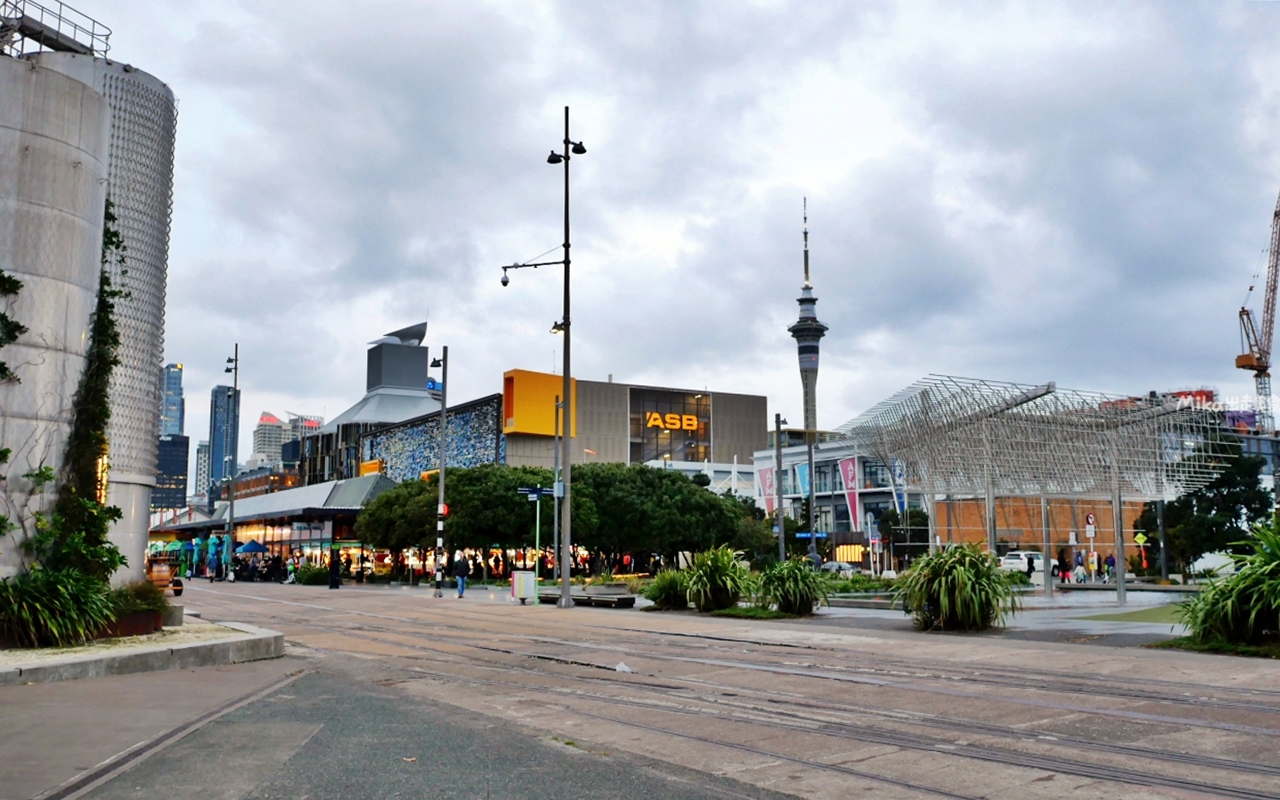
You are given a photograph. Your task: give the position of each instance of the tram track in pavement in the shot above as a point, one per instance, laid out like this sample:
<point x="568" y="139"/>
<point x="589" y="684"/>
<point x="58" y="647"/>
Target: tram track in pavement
<point x="769" y="715"/>
<point x="856" y="672"/>
<point x="908" y="741"/>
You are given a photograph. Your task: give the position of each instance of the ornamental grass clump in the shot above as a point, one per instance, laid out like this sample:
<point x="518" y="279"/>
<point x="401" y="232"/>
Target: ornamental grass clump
<point x="717" y="579"/>
<point x="47" y="608"/>
<point x="668" y="590"/>
<point x="1243" y="608"/>
<point x="957" y="589"/>
<point x="794" y="587"/>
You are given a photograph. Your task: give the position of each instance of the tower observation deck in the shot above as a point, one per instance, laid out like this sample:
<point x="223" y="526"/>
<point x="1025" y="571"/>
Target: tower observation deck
<point x="808" y="332"/>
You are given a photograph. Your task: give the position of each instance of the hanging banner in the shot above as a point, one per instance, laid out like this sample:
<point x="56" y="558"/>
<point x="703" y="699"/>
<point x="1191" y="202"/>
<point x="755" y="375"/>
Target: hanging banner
<point x="802" y="478"/>
<point x="764" y="477"/>
<point x="849" y="479"/>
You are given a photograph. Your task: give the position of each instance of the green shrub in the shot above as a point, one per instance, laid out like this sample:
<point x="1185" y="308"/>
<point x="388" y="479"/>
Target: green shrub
<point x="860" y="583"/>
<point x="959" y="588"/>
<point x="43" y="608"/>
<point x="794" y="586"/>
<point x="311" y="575"/>
<point x="139" y="596"/>
<point x="1243" y="608"/>
<point x="1016" y="578"/>
<point x="716" y="580"/>
<point x="668" y="590"/>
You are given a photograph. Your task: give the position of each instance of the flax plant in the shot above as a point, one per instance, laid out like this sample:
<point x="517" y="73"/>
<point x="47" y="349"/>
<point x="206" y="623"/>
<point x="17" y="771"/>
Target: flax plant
<point x="717" y="580"/>
<point x="794" y="587"/>
<point x="1243" y="608"/>
<point x="45" y="608"/>
<point x="669" y="590"/>
<point x="957" y="589"/>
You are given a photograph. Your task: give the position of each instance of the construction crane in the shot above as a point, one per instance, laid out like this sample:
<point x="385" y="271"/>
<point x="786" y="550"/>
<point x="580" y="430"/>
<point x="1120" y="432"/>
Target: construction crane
<point x="1257" y="358"/>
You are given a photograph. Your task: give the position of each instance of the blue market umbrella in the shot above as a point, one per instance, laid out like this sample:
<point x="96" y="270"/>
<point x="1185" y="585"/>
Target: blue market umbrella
<point x="251" y="546"/>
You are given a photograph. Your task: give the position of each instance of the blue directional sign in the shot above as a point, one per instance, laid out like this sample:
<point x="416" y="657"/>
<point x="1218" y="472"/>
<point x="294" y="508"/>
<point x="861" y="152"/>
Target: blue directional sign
<point x="535" y="493"/>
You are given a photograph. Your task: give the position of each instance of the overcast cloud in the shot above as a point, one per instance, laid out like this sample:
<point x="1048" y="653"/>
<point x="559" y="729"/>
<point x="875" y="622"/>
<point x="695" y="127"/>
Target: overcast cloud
<point x="1076" y="192"/>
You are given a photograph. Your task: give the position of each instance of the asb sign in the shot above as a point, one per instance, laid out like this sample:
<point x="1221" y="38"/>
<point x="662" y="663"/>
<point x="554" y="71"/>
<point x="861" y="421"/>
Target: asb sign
<point x="671" y="422"/>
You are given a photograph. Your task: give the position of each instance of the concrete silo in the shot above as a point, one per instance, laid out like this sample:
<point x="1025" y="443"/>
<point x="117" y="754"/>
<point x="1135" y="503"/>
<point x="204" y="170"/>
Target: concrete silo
<point x="53" y="176"/>
<point x="140" y="185"/>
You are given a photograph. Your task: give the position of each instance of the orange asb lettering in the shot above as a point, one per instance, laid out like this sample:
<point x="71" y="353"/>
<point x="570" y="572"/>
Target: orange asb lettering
<point x="671" y="422"/>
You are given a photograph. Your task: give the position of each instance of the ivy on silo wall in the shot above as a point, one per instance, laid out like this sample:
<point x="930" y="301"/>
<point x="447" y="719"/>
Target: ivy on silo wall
<point x="80" y="520"/>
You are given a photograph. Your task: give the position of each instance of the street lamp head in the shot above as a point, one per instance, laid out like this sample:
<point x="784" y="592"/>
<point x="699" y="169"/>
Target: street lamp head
<point x="557" y="327"/>
<point x="228" y="369"/>
<point x="506" y="281"/>
<point x="554" y="158"/>
<point x="435" y="362"/>
<point x="578" y="149"/>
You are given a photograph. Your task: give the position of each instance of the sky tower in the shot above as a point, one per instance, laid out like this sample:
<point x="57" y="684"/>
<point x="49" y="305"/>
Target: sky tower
<point x="808" y="332"/>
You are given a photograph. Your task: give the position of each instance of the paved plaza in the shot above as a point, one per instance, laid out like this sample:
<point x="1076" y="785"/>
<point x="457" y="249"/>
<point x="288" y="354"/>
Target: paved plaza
<point x="390" y="692"/>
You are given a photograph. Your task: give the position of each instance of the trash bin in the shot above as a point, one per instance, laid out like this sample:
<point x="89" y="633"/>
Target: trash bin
<point x="524" y="586"/>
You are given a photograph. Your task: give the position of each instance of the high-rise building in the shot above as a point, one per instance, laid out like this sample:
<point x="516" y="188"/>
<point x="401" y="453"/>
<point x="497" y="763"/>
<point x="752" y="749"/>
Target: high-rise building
<point x="171" y="472"/>
<point x="173" y="408"/>
<point x="267" y="438"/>
<point x="301" y="425"/>
<point x="808" y="332"/>
<point x="139" y="184"/>
<point x="202" y="467"/>
<point x="224" y="432"/>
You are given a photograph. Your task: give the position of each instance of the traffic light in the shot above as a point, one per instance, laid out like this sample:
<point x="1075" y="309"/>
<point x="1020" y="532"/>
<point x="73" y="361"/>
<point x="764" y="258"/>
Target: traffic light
<point x="443" y="510"/>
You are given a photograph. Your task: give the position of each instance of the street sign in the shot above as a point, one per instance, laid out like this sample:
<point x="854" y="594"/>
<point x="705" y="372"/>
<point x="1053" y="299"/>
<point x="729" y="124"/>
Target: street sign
<point x="1090" y="531"/>
<point x="810" y="535"/>
<point x="775" y="530"/>
<point x="1072" y="540"/>
<point x="1089" y="520"/>
<point x="534" y="493"/>
<point x="1140" y="538"/>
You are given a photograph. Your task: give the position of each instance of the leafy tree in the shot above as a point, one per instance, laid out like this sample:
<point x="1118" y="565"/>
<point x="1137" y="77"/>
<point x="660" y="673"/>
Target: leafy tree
<point x="897" y="534"/>
<point x="485" y="507"/>
<point x="1216" y="517"/>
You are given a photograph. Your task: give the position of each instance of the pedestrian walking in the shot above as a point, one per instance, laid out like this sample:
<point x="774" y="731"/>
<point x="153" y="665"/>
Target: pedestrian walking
<point x="1031" y="566"/>
<point x="461" y="571"/>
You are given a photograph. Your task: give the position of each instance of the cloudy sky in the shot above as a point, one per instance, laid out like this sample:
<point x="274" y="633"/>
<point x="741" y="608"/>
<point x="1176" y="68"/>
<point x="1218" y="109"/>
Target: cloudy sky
<point x="1078" y="192"/>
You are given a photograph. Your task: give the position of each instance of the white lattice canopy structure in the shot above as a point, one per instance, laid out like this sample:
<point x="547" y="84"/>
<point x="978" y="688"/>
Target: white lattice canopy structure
<point x="953" y="436"/>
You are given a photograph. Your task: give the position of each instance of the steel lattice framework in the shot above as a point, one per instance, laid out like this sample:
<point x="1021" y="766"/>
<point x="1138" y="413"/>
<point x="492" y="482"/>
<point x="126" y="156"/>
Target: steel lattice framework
<point x="962" y="436"/>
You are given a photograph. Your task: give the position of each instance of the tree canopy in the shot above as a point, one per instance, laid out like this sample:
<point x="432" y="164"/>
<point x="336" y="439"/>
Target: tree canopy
<point x="616" y="509"/>
<point x="1216" y="517"/>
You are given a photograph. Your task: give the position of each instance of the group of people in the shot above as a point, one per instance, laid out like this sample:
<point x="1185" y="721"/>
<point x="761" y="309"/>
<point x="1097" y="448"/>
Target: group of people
<point x="1087" y="567"/>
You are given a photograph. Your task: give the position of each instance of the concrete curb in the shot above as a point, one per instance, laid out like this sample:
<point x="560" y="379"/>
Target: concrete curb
<point x="261" y="644"/>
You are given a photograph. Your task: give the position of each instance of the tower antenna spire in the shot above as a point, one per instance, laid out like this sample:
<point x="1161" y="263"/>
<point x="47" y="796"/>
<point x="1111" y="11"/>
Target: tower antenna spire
<point x="806" y="242"/>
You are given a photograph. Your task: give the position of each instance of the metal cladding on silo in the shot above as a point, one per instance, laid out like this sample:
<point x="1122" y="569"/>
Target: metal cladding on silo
<point x="53" y="169"/>
<point x="140" y="185"/>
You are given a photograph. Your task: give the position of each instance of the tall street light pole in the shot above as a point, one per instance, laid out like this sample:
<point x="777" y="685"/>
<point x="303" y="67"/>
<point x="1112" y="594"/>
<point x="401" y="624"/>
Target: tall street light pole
<point x="571" y="148"/>
<point x="443" y="363"/>
<point x="233" y="422"/>
<point x="778" y="422"/>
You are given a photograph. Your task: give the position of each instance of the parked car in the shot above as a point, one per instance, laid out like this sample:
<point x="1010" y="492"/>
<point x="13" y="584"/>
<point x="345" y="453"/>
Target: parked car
<point x="842" y="569"/>
<point x="1016" y="560"/>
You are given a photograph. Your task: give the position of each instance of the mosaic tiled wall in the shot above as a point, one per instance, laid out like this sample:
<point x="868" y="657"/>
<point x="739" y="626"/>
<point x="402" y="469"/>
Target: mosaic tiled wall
<point x="474" y="437"/>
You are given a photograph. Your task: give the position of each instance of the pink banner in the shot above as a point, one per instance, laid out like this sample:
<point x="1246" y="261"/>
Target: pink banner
<point x="849" y="476"/>
<point x="765" y="476"/>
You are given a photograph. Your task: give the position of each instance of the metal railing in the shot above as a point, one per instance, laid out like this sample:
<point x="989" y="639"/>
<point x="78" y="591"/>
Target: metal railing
<point x="30" y="27"/>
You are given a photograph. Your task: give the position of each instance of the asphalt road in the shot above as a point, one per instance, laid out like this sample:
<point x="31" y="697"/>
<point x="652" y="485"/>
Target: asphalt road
<point x="325" y="736"/>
